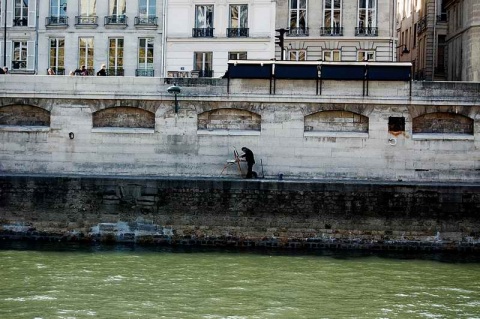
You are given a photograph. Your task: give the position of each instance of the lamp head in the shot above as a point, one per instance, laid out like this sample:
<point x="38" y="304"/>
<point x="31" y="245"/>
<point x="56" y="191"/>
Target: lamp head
<point x="174" y="89"/>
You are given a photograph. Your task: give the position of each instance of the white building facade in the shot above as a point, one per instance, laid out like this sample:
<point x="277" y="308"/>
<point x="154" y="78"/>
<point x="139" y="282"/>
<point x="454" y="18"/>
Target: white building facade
<point x="202" y="35"/>
<point x="63" y="35"/>
<point x="337" y="30"/>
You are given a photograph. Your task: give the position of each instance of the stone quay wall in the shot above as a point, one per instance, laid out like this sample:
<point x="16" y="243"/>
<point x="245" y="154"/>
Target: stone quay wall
<point x="242" y="213"/>
<point x="409" y="131"/>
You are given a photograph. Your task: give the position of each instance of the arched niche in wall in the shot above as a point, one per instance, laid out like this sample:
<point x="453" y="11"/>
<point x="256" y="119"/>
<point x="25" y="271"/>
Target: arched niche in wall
<point x="229" y="121"/>
<point x="118" y="119"/>
<point x="336" y="123"/>
<point x="442" y="125"/>
<point x="20" y="117"/>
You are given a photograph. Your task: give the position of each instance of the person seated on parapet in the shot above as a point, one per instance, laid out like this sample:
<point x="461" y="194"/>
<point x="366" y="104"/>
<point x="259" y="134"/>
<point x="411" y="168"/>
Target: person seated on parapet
<point x="102" y="71"/>
<point x="250" y="159"/>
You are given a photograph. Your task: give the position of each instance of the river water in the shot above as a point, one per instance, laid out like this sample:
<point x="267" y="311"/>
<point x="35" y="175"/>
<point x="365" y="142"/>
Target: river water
<point x="115" y="282"/>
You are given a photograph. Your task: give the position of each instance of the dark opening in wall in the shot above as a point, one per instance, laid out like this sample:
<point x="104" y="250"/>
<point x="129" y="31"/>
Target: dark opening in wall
<point x="396" y="124"/>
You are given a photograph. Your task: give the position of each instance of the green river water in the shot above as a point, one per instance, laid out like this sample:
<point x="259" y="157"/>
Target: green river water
<point x="132" y="282"/>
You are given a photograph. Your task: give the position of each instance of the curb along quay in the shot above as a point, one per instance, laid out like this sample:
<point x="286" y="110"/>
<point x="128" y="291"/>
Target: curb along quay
<point x="348" y="156"/>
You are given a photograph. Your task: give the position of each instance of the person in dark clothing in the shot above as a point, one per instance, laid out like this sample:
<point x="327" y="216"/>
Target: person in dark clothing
<point x="250" y="159"/>
<point x="102" y="71"/>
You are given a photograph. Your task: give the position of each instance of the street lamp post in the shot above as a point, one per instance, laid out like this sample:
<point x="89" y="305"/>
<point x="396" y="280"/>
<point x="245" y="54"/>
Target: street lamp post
<point x="175" y="90"/>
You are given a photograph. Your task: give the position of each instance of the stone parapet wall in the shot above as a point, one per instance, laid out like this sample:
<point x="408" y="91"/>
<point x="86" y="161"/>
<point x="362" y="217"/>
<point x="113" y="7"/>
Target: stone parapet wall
<point x="190" y="211"/>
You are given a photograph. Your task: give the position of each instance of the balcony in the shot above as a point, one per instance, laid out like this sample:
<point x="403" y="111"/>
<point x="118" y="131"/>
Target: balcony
<point x="115" y="72"/>
<point x="366" y="31"/>
<point x="20" y="22"/>
<point x="116" y="21"/>
<point x="422" y="25"/>
<point x="202" y="32"/>
<point x="202" y="73"/>
<point x="146" y="22"/>
<point x="19" y="65"/>
<point x="237" y="32"/>
<point x="298" y="32"/>
<point x="331" y="31"/>
<point x="86" y="22"/>
<point x="56" y="22"/>
<point x="145" y="72"/>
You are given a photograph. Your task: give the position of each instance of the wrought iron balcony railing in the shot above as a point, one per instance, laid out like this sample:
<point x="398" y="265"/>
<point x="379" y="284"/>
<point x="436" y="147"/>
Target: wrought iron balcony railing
<point x="202" y="73"/>
<point x="20" y="22"/>
<point x="298" y="32"/>
<point x="145" y="72"/>
<point x="331" y="31"/>
<point x="116" y="20"/>
<point x="422" y="25"/>
<point x="19" y="65"/>
<point x="202" y="32"/>
<point x="115" y="72"/>
<point x="56" y="21"/>
<point x="146" y="21"/>
<point x="86" y="21"/>
<point x="366" y="31"/>
<point x="237" y="32"/>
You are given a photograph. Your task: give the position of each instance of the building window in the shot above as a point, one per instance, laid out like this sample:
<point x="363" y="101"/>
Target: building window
<point x="237" y="55"/>
<point x="21" y="13"/>
<point x="203" y="64"/>
<point x="367" y="18"/>
<point x="365" y="56"/>
<point x="117" y="11"/>
<point x="332" y="55"/>
<point x="57" y="55"/>
<point x="86" y="54"/>
<point x="332" y="18"/>
<point x="298" y="18"/>
<point x="58" y="8"/>
<point x="297" y="55"/>
<point x="20" y="52"/>
<point x="115" y="57"/>
<point x="147" y="10"/>
<point x="203" y="21"/>
<point x="88" y="8"/>
<point x="238" y="21"/>
<point x="145" y="57"/>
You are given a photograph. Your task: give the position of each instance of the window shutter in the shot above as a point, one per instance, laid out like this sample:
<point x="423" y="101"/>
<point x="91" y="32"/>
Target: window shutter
<point x="9" y="55"/>
<point x="32" y="14"/>
<point x="30" y="55"/>
<point x="10" y="13"/>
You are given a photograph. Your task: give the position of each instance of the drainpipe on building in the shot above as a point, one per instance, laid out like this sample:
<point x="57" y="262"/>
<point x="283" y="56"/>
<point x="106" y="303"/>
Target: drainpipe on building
<point x="434" y="49"/>
<point x="164" y="38"/>
<point x="393" y="35"/>
<point x="5" y="35"/>
<point x="36" y="35"/>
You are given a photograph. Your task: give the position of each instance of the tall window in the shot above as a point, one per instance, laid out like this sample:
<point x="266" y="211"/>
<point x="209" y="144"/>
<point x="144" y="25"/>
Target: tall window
<point x="297" y="55"/>
<point x="57" y="55"/>
<point x="332" y="55"/>
<point x="203" y="63"/>
<point x="237" y="55"/>
<point x="58" y="8"/>
<point x="19" y="55"/>
<point x="204" y="16"/>
<point x="115" y="56"/>
<point x="298" y="17"/>
<point x="145" y="53"/>
<point x="147" y="8"/>
<point x="238" y="16"/>
<point x="88" y="8"/>
<point x="21" y="13"/>
<point x="367" y="17"/>
<point x="86" y="53"/>
<point x="118" y="7"/>
<point x="332" y="18"/>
